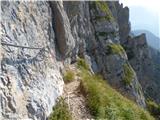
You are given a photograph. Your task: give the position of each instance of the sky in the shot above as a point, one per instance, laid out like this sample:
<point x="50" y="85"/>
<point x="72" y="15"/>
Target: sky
<point x="144" y="14"/>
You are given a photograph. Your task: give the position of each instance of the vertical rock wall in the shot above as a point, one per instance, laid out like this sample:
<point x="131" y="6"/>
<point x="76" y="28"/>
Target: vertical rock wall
<point x="30" y="78"/>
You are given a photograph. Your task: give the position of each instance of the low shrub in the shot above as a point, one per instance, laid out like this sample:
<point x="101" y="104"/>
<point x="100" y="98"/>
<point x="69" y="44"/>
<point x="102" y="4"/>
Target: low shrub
<point x="115" y="49"/>
<point x="82" y="64"/>
<point x="60" y="111"/>
<point x="68" y="76"/>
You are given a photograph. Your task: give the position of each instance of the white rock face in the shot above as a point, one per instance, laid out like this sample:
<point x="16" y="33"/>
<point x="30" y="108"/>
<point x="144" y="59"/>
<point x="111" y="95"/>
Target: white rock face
<point x="30" y="78"/>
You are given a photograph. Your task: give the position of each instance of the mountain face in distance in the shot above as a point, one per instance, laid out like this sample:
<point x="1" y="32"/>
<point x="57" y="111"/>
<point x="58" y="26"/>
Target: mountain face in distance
<point x="152" y="39"/>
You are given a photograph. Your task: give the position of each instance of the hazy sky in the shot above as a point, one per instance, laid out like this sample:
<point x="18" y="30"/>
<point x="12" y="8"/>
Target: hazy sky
<point x="144" y="14"/>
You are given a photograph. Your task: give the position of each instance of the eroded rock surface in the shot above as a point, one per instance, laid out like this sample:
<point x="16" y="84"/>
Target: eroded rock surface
<point x="142" y="60"/>
<point x="62" y="28"/>
<point x="30" y="78"/>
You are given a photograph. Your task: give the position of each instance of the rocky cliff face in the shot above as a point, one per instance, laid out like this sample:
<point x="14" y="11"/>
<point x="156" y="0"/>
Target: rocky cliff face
<point x="65" y="42"/>
<point x="142" y="59"/>
<point x="140" y="56"/>
<point x="30" y="76"/>
<point x="39" y="38"/>
<point x="98" y="30"/>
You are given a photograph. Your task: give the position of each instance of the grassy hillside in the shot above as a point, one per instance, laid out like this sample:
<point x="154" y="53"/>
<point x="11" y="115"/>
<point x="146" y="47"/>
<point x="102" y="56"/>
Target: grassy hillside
<point x="106" y="103"/>
<point x="103" y="101"/>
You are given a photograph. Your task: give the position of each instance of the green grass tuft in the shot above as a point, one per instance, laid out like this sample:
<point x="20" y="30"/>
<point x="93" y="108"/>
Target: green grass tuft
<point x="68" y="76"/>
<point x="128" y="74"/>
<point x="82" y="64"/>
<point x="115" y="49"/>
<point x="106" y="103"/>
<point x="103" y="6"/>
<point x="60" y="111"/>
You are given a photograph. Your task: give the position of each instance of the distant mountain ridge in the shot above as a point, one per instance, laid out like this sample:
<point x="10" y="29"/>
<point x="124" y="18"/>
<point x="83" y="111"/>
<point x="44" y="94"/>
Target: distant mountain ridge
<point x="152" y="39"/>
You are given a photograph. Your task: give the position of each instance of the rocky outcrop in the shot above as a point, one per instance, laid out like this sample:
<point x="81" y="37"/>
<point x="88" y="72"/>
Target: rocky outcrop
<point x="137" y="51"/>
<point x="81" y="27"/>
<point x="62" y="29"/>
<point x="110" y="55"/>
<point x="140" y="58"/>
<point x="30" y="78"/>
<point x="98" y="31"/>
<point x="141" y="53"/>
<point x="156" y="75"/>
<point x="123" y="21"/>
<point x="121" y="14"/>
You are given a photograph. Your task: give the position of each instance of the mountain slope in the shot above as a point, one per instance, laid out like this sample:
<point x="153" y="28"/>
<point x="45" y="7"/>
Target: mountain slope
<point x="152" y="40"/>
<point x="106" y="103"/>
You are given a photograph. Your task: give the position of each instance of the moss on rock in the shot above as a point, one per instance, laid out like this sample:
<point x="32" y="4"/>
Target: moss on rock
<point x="128" y="74"/>
<point x="115" y="49"/>
<point x="102" y="7"/>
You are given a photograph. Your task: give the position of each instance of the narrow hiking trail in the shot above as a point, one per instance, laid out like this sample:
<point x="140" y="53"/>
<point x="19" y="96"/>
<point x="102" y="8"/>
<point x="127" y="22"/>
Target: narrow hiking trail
<point x="75" y="100"/>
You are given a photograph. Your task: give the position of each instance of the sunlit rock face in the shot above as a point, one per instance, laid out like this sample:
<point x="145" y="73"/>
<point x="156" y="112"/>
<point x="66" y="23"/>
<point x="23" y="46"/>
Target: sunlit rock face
<point x="30" y="78"/>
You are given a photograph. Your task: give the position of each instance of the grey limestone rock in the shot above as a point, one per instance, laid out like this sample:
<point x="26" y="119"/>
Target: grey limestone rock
<point x="30" y="79"/>
<point x="62" y="28"/>
<point x="140" y="58"/>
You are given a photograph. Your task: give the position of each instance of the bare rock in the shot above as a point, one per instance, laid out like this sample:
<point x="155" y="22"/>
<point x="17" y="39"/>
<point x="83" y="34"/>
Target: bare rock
<point x="62" y="28"/>
<point x="30" y="78"/>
